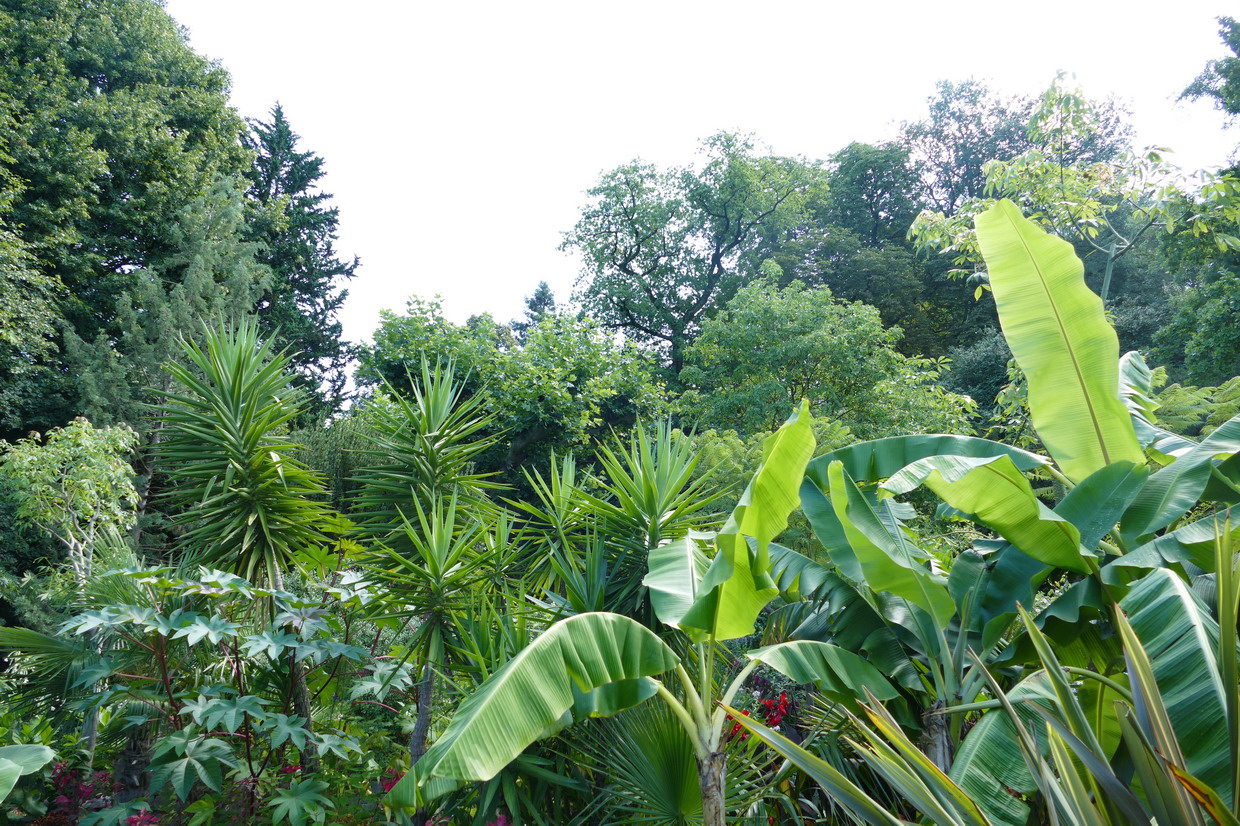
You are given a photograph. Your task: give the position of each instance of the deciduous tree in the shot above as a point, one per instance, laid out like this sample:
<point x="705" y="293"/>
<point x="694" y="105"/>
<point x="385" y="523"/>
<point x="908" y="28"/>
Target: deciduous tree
<point x="772" y="347"/>
<point x="662" y="248"/>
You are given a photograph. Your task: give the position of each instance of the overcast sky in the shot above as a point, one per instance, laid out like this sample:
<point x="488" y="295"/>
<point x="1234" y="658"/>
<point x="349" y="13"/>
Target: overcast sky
<point x="459" y="137"/>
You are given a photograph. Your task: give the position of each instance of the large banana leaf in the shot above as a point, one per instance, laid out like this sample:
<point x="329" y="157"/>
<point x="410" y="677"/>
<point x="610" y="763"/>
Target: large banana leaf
<point x="994" y="491"/>
<point x="883" y="560"/>
<point x="1136" y="391"/>
<point x="738" y="585"/>
<point x="868" y="462"/>
<point x="1181" y="638"/>
<point x="840" y="674"/>
<point x="1192" y="543"/>
<point x="1060" y="337"/>
<point x="535" y="693"/>
<point x="1093" y="507"/>
<point x="1175" y="489"/>
<point x="797" y="576"/>
<point x="675" y="575"/>
<point x="989" y="763"/>
<point x="834" y="611"/>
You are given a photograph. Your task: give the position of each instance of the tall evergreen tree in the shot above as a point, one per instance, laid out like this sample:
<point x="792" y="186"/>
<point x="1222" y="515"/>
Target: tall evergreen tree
<point x="537" y="307"/>
<point x="297" y="229"/>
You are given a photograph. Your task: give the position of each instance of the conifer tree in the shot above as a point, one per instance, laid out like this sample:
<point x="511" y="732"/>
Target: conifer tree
<point x="297" y="229"/>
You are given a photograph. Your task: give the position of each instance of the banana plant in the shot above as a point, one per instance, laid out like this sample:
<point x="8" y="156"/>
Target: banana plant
<point x="1081" y="738"/>
<point x="1129" y="500"/>
<point x="706" y="589"/>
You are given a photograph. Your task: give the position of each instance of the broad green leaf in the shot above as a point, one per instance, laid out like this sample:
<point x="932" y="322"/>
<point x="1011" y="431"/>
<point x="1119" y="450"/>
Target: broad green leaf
<point x="835" y="671"/>
<point x="9" y="773"/>
<point x="797" y="576"/>
<point x="994" y="491"/>
<point x="336" y="744"/>
<point x="675" y="575"/>
<point x="989" y="763"/>
<point x="738" y="585"/>
<point x="532" y="694"/>
<point x="612" y="698"/>
<point x="966" y="583"/>
<point x="1181" y="640"/>
<point x="298" y="803"/>
<point x="1175" y="489"/>
<point x="883" y="561"/>
<point x="1136" y="391"/>
<point x="231" y="712"/>
<point x="210" y="628"/>
<point x="873" y="461"/>
<point x="271" y="643"/>
<point x="1058" y="332"/>
<point x="1192" y="543"/>
<point x="1095" y="504"/>
<point x="840" y="788"/>
<point x="182" y="759"/>
<point x="284" y="728"/>
<point x="836" y="612"/>
<point x="29" y="758"/>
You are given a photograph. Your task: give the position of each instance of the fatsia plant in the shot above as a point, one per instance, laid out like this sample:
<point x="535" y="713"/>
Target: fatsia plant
<point x="597" y="664"/>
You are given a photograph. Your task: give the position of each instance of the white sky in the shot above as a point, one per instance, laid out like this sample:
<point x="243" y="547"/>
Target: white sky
<point x="459" y="137"/>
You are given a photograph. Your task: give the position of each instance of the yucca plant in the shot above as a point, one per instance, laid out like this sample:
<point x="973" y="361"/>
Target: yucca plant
<point x="245" y="504"/>
<point x="422" y="448"/>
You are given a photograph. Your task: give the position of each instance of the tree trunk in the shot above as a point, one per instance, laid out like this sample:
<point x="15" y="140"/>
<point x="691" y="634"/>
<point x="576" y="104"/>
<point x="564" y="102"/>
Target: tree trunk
<point x="712" y="778"/>
<point x="422" y="727"/>
<point x="936" y="736"/>
<point x="301" y="697"/>
<point x="301" y="706"/>
<point x="132" y="775"/>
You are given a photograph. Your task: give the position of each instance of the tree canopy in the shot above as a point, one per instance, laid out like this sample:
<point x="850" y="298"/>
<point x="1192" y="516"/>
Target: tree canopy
<point x="662" y="248"/>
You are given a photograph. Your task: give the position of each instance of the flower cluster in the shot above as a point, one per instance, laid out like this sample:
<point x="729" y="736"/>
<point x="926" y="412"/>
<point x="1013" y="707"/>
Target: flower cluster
<point x="73" y="792"/>
<point x="390" y="778"/>
<point x="772" y="711"/>
<point x="777" y="710"/>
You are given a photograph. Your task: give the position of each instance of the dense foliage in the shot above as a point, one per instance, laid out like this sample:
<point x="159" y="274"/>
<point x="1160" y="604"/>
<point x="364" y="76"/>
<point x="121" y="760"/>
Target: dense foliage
<point x="827" y="497"/>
